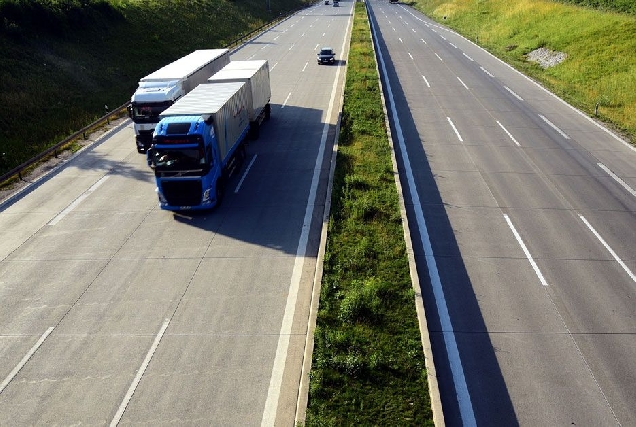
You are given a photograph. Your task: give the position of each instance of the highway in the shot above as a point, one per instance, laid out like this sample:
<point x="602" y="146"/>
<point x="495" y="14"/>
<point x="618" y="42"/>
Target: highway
<point x="113" y="311"/>
<point x="522" y="214"/>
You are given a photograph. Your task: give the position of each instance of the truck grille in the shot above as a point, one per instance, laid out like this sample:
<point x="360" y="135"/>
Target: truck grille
<point x="182" y="193"/>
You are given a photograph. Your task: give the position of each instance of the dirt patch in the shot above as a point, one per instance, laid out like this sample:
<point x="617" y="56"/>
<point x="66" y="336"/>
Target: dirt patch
<point x="546" y="58"/>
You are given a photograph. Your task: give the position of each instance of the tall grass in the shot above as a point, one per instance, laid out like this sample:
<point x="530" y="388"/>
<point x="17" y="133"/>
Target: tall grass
<point x="64" y="61"/>
<point x="600" y="69"/>
<point x="368" y="363"/>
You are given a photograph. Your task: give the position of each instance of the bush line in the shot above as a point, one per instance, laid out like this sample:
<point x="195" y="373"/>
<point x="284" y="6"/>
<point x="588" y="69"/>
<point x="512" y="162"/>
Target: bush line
<point x="368" y="363"/>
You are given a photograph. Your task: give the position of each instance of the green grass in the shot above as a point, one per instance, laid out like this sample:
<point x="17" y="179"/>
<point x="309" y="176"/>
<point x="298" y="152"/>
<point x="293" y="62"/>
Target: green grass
<point x="600" y="68"/>
<point x="63" y="61"/>
<point x="368" y="362"/>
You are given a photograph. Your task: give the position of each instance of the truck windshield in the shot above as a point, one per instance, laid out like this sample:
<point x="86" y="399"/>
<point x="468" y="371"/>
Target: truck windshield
<point x="148" y="113"/>
<point x="176" y="160"/>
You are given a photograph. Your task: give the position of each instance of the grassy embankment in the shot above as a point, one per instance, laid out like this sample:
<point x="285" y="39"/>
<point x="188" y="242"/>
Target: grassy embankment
<point x="600" y="69"/>
<point x="368" y="364"/>
<point x="63" y="61"/>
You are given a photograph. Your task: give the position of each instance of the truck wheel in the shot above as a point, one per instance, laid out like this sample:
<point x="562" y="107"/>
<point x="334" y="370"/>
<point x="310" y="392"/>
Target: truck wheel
<point x="219" y="191"/>
<point x="268" y="111"/>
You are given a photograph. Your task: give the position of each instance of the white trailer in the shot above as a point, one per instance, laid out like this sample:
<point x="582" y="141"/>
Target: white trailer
<point x="256" y="75"/>
<point x="160" y="89"/>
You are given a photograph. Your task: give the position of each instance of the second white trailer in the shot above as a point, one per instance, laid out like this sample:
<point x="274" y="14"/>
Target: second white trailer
<point x="256" y="75"/>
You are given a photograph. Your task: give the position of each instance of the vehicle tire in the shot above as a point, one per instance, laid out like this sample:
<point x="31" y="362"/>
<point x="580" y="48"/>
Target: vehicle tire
<point x="255" y="131"/>
<point x="268" y="111"/>
<point x="220" y="191"/>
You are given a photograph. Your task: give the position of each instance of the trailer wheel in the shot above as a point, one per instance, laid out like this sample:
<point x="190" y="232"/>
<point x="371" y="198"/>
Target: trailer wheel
<point x="268" y="111"/>
<point x="255" y="130"/>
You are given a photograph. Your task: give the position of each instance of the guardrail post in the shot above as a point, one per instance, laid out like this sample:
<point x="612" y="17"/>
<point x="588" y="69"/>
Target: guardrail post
<point x="107" y="114"/>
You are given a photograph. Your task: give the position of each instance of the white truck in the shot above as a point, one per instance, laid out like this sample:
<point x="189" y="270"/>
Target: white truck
<point x="255" y="74"/>
<point x="162" y="88"/>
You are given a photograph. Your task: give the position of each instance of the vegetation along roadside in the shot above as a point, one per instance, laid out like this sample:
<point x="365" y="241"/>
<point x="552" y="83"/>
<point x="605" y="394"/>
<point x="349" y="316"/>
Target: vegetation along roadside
<point x="368" y="363"/>
<point x="597" y="43"/>
<point x="65" y="62"/>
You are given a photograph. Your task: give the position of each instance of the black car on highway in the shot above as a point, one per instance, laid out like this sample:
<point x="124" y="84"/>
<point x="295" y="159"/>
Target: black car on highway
<point x="326" y="56"/>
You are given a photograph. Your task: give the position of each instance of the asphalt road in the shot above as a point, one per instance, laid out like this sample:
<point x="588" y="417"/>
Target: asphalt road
<point x="522" y="212"/>
<point x="113" y="311"/>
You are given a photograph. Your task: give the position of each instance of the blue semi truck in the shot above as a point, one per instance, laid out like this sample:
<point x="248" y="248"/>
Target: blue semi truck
<point x="198" y="143"/>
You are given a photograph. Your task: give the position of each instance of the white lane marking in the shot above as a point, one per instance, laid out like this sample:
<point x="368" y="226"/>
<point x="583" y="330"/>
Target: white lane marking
<point x="553" y="126"/>
<point x="77" y="201"/>
<point x="439" y="57"/>
<point x="459" y="380"/>
<point x="442" y="37"/>
<point x="316" y="47"/>
<point x="453" y="45"/>
<point x="617" y="179"/>
<point x="410" y="56"/>
<point x="526" y="251"/>
<point x="400" y="39"/>
<point x="426" y="81"/>
<point x="424" y="41"/>
<point x="238" y="186"/>
<point x="609" y="249"/>
<point x="273" y="66"/>
<point x="463" y="84"/>
<point x="469" y="58"/>
<point x="487" y="72"/>
<point x="25" y="359"/>
<point x="140" y="372"/>
<point x="455" y="129"/>
<point x="508" y="133"/>
<point x="286" y="99"/>
<point x="276" y="379"/>
<point x="513" y="93"/>
<point x="305" y="67"/>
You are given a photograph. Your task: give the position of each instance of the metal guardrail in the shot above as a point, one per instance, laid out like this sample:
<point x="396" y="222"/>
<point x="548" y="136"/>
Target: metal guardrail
<point x="54" y="150"/>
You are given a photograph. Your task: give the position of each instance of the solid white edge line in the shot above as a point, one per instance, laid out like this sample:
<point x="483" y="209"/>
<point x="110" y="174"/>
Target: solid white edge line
<point x="508" y="133"/>
<point x="25" y="359"/>
<point x="459" y="380"/>
<point x="278" y="368"/>
<point x="526" y="251"/>
<point x="455" y="129"/>
<point x="609" y="249"/>
<point x="247" y="169"/>
<point x="617" y="179"/>
<point x="140" y="372"/>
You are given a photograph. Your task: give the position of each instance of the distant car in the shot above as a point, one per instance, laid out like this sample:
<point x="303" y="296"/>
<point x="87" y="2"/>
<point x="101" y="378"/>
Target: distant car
<point x="326" y="56"/>
<point x="326" y="1"/>
<point x="336" y="3"/>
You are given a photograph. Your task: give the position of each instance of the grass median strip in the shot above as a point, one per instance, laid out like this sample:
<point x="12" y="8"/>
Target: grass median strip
<point x="368" y="363"/>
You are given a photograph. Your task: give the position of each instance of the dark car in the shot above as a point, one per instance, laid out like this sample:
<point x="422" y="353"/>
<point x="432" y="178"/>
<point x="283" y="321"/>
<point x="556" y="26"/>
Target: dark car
<point x="326" y="56"/>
